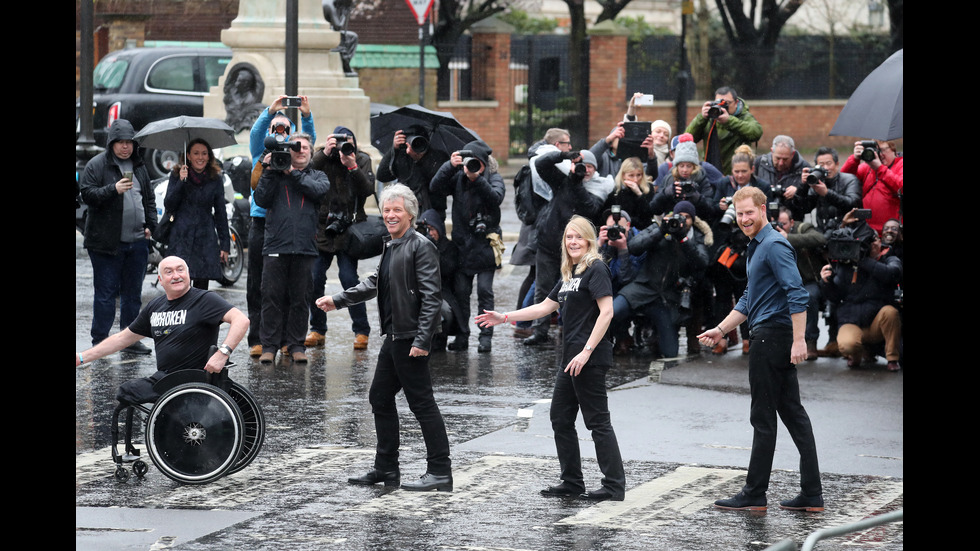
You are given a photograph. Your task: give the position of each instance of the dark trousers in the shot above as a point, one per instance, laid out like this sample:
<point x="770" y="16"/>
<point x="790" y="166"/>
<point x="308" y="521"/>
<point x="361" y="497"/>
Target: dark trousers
<point x="587" y="392"/>
<point x="285" y="304"/>
<point x="775" y="390"/>
<point x="547" y="272"/>
<point x="347" y="267"/>
<point x="119" y="276"/>
<point x="253" y="285"/>
<point x="396" y="370"/>
<point x="484" y="298"/>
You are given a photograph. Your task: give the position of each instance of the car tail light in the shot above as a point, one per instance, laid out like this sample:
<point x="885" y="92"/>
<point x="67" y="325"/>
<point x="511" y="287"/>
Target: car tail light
<point x="112" y="114"/>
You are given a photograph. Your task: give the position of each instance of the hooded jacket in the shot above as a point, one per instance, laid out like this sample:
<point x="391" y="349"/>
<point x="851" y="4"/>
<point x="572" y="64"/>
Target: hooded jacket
<point x="103" y="224"/>
<point x="348" y="191"/>
<point x="475" y="203"/>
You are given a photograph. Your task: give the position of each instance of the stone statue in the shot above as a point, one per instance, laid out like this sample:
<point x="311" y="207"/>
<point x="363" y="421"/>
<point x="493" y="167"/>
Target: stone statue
<point x="337" y="12"/>
<point x="244" y="89"/>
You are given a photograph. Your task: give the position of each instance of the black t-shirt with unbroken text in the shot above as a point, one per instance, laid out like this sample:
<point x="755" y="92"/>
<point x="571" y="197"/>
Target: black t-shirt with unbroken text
<point x="183" y="329"/>
<point x="579" y="310"/>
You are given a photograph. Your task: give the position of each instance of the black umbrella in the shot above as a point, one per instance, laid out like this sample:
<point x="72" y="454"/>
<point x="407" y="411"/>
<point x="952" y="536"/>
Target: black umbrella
<point x="875" y="108"/>
<point x="441" y="128"/>
<point x="174" y="133"/>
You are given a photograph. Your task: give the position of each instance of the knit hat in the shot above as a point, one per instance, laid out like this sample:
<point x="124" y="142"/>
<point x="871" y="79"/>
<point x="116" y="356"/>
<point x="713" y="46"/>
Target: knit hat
<point x="660" y="124"/>
<point x="685" y="137"/>
<point x="588" y="158"/>
<point x="623" y="214"/>
<point x="686" y="152"/>
<point x="686" y="207"/>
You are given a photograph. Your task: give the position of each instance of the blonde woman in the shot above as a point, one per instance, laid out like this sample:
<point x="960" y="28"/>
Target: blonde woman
<point x="633" y="192"/>
<point x="584" y="298"/>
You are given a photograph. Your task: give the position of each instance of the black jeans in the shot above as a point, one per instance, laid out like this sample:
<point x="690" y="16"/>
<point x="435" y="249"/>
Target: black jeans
<point x="396" y="370"/>
<point x="586" y="391"/>
<point x="253" y="285"/>
<point x="484" y="298"/>
<point x="286" y="282"/>
<point x="775" y="390"/>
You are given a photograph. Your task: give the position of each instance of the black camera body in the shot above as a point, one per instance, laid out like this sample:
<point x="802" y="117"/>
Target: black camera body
<point x="674" y="226"/>
<point x="849" y="244"/>
<point x="344" y="145"/>
<point x="337" y="223"/>
<point x="687" y="187"/>
<point x="471" y="163"/>
<point x="281" y="159"/>
<point x="616" y="231"/>
<point x="579" y="170"/>
<point x="816" y="175"/>
<point x="870" y="150"/>
<point x="716" y="107"/>
<point x="479" y="225"/>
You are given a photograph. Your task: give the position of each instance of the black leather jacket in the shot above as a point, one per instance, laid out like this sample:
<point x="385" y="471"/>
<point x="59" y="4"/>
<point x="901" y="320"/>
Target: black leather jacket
<point x="415" y="285"/>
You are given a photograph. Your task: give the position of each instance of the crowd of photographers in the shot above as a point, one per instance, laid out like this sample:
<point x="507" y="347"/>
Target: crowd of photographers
<point x="666" y="227"/>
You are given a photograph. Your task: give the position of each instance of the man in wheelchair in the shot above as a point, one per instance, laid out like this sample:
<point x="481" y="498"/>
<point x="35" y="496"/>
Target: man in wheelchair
<point x="184" y="325"/>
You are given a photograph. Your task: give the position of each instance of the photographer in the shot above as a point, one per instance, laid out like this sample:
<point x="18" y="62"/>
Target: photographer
<point x="782" y="170"/>
<point x="613" y="244"/>
<point x="351" y="182"/>
<point x="723" y="125"/>
<point x="413" y="162"/>
<point x="574" y="192"/>
<point x="290" y="197"/>
<point x="676" y="257"/>
<point x="862" y="280"/>
<point x="879" y="167"/>
<point x="454" y="322"/>
<point x="471" y="177"/>
<point x="831" y="192"/>
<point x="686" y="182"/>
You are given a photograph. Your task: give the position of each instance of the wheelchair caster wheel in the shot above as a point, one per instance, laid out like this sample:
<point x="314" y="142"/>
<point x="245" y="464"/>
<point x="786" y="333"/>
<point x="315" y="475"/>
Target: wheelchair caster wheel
<point x="122" y="475"/>
<point x="139" y="468"/>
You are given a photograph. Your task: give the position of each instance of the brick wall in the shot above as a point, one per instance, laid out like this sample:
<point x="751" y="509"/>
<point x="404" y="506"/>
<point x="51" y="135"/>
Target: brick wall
<point x="607" y="79"/>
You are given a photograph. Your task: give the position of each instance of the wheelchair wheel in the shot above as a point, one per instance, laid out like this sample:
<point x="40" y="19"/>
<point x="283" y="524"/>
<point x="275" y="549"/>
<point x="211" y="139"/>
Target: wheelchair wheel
<point x="253" y="423"/>
<point x="194" y="433"/>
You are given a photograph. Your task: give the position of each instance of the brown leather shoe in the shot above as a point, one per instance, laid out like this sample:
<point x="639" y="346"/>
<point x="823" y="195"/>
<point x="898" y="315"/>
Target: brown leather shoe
<point x="811" y="351"/>
<point x="267" y="357"/>
<point x="721" y="347"/>
<point x="360" y="342"/>
<point x="255" y="351"/>
<point x="745" y="346"/>
<point x="829" y="351"/>
<point x="315" y="338"/>
<point x="300" y="357"/>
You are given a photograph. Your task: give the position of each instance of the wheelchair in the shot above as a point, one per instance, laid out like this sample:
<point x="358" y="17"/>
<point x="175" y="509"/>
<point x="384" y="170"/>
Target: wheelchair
<point x="203" y="426"/>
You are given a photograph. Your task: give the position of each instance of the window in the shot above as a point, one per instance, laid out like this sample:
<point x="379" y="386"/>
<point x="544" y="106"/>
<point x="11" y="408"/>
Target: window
<point x="109" y="73"/>
<point x="172" y="73"/>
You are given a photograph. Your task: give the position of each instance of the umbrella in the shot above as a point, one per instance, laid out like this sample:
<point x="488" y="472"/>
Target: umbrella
<point x="174" y="133"/>
<point x="874" y="110"/>
<point x="442" y="129"/>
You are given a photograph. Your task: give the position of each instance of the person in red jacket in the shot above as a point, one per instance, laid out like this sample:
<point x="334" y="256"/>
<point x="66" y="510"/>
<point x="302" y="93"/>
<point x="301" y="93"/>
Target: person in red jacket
<point x="880" y="173"/>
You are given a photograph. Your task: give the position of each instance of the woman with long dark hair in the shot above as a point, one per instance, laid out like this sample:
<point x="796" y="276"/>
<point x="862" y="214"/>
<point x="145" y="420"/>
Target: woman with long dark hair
<point x="196" y="199"/>
<point x="584" y="296"/>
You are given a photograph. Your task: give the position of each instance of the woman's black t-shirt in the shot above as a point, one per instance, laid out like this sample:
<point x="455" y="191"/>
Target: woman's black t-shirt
<point x="579" y="310"/>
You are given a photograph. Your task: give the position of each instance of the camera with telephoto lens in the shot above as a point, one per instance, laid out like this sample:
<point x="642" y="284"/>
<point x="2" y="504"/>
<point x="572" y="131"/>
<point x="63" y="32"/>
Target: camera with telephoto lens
<point x="579" y="170"/>
<point x="279" y="147"/>
<point x="420" y="144"/>
<point x="471" y="163"/>
<point x="729" y="217"/>
<point x="337" y="223"/>
<point x="870" y="150"/>
<point x="816" y="175"/>
<point x="478" y="224"/>
<point x="345" y="146"/>
<point x="716" y="107"/>
<point x="615" y="232"/>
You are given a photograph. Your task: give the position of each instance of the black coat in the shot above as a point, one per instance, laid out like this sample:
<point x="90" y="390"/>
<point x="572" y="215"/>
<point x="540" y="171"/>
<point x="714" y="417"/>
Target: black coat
<point x="570" y="198"/>
<point x="200" y="228"/>
<point x="348" y="191"/>
<point x="292" y="203"/>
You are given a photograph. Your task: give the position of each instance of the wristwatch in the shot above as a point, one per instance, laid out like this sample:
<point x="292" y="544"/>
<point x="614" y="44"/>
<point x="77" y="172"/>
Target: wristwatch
<point x="589" y="348"/>
<point x="225" y="349"/>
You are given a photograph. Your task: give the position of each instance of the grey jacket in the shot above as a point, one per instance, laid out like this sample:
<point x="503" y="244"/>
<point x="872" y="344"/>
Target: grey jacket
<point x="415" y="285"/>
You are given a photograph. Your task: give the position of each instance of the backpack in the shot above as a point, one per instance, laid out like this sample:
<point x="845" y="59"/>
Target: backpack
<point x="526" y="202"/>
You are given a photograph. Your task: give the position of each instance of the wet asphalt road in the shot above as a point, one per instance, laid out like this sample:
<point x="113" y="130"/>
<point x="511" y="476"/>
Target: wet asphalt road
<point x="684" y="435"/>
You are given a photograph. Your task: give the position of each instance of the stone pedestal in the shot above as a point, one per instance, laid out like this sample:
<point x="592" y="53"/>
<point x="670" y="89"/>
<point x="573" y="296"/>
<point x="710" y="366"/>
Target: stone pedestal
<point x="257" y="38"/>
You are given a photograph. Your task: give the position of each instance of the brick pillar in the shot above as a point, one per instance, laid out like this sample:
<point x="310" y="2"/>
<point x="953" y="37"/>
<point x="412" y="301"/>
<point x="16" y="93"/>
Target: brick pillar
<point x="607" y="78"/>
<point x="123" y="28"/>
<point x="491" y="82"/>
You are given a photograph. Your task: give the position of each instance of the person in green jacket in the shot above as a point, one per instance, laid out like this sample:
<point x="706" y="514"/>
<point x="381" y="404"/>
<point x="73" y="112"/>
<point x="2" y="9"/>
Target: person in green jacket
<point x="723" y="125"/>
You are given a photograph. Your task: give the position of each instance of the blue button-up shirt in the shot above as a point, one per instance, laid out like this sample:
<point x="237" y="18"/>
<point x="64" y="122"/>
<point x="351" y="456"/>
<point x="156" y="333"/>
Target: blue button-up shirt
<point x="775" y="289"/>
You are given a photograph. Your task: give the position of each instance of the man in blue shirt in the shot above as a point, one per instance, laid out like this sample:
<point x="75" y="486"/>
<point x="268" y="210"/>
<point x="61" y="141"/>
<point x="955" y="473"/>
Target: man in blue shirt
<point x="774" y="304"/>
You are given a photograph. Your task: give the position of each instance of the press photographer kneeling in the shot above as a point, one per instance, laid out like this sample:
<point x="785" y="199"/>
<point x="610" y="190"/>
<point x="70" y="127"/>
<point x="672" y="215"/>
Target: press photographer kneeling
<point x="861" y="278"/>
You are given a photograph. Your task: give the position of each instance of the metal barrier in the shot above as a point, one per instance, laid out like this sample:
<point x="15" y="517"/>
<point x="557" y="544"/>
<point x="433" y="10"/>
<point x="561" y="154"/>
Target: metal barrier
<point x="812" y="539"/>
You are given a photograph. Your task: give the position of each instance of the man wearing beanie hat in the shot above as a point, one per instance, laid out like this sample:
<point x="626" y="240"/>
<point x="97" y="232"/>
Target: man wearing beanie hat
<point x="676" y="258"/>
<point x="122" y="215"/>
<point x="723" y="125"/>
<point x="351" y="182"/>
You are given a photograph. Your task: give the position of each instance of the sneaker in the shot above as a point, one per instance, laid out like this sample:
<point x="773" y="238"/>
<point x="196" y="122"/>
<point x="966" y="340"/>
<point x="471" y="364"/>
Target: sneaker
<point x="255" y="351"/>
<point x="138" y="348"/>
<point x="315" y="338"/>
<point x="360" y="342"/>
<point x="743" y="502"/>
<point x="811" y="504"/>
